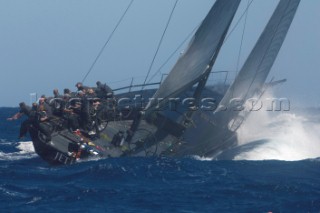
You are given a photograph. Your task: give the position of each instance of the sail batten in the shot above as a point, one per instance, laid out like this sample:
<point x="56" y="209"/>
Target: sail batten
<point x="193" y="64"/>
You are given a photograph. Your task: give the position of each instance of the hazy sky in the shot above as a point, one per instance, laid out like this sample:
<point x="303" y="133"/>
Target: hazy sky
<point x="47" y="44"/>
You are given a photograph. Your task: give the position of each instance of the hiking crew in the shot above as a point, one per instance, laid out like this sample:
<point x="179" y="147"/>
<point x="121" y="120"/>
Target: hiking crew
<point x="44" y="109"/>
<point x="80" y="87"/>
<point x="24" y="110"/>
<point x="80" y="110"/>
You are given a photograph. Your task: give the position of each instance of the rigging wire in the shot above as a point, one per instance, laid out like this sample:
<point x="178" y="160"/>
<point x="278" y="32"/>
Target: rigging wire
<point x="241" y="17"/>
<point x="242" y="38"/>
<point x="159" y="45"/>
<point x="107" y="42"/>
<point x="241" y="43"/>
<point x="182" y="43"/>
<point x="174" y="52"/>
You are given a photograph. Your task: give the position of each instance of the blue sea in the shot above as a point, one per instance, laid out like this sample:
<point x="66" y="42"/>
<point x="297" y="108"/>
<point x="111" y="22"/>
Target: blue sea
<point x="281" y="175"/>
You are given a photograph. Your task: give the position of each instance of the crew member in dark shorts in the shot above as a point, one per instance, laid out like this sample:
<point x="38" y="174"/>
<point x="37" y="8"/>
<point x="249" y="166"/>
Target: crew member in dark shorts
<point x="27" y="111"/>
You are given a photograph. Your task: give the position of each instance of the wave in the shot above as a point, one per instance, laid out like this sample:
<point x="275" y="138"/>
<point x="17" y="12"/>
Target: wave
<point x="25" y="151"/>
<point x="288" y="136"/>
<point x="199" y="158"/>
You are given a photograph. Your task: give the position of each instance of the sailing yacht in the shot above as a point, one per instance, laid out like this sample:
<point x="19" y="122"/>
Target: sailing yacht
<point x="184" y="116"/>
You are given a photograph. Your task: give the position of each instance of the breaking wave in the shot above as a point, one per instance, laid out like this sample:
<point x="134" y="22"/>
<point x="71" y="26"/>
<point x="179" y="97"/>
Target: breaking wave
<point x="24" y="150"/>
<point x="286" y="136"/>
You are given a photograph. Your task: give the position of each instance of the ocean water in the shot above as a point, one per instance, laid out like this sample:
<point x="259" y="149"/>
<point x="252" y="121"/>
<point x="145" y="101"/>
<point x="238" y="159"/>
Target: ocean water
<point x="276" y="169"/>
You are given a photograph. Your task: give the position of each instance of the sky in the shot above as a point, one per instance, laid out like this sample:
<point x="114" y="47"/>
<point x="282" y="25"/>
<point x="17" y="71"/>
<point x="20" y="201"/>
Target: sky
<point x="47" y="44"/>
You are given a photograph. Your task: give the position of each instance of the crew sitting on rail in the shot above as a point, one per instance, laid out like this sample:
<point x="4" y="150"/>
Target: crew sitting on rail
<point x="44" y="109"/>
<point x="90" y="93"/>
<point x="81" y="87"/>
<point x="85" y="109"/>
<point x="56" y="93"/>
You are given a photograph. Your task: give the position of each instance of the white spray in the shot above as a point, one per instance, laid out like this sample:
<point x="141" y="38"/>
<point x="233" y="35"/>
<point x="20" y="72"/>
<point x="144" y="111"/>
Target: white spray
<point x="292" y="136"/>
<point x="26" y="152"/>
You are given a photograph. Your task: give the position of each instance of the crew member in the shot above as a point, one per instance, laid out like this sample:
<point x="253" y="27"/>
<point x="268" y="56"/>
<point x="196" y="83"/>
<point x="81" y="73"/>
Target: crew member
<point x="71" y="111"/>
<point x="81" y="87"/>
<point x="81" y="108"/>
<point x="56" y="93"/>
<point x="103" y="90"/>
<point x="44" y="109"/>
<point x="24" y="110"/>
